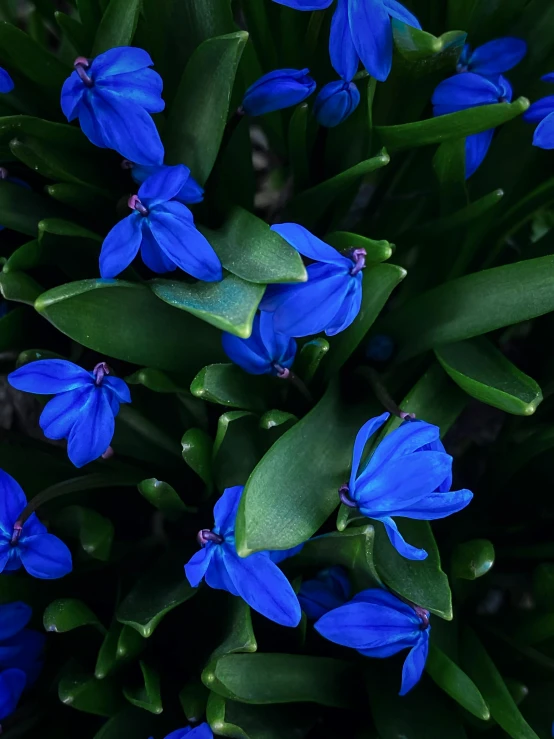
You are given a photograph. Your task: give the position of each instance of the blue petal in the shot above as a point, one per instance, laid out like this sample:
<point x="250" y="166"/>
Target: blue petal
<point x="364" y="626"/>
<point x="13" y="618"/>
<point x="152" y="256"/>
<point x="277" y="90"/>
<point x="121" y="60"/>
<point x="60" y="413"/>
<point x="310" y="246"/>
<point x="371" y="31"/>
<point x="12" y="503"/>
<point x="12" y="685"/>
<point x="328" y="591"/>
<point x="22" y="650"/>
<point x="217" y="576"/>
<point x="163" y="185"/>
<point x="406" y="439"/>
<point x="344" y="56"/>
<point x="201" y="732"/>
<point x="263" y="586"/>
<point x="174" y="230"/>
<point x="399" y="543"/>
<point x="121" y="245"/>
<point x="45" y="556"/>
<point x="9" y="556"/>
<point x="436" y="505"/>
<point x="400" y="13"/>
<point x="190" y="193"/>
<point x="280" y="347"/>
<point x="548" y="77"/>
<point x="305" y="4"/>
<point x="544" y="135"/>
<point x="280" y="555"/>
<point x="118" y="387"/>
<point x="415" y="663"/>
<point x="335" y="103"/>
<point x="539" y="110"/>
<point x="143" y="87"/>
<point x="73" y="92"/>
<point x="225" y="510"/>
<point x="388" y="650"/>
<point x="381" y="597"/>
<point x="351" y="306"/>
<point x="93" y="431"/>
<point x="243" y="353"/>
<point x="90" y="125"/>
<point x="195" y="568"/>
<point x="466" y="91"/>
<point x="367" y="430"/>
<point x="477" y="147"/>
<point x="49" y="376"/>
<point x="497" y="56"/>
<point x="6" y="82"/>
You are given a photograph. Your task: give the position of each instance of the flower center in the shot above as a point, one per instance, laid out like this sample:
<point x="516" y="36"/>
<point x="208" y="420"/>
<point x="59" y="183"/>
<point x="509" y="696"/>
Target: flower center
<point x="358" y="257"/>
<point x="344" y="495"/>
<point x="17" y="529"/>
<point x="135" y="204"/>
<point x="99" y="372"/>
<point x="423" y="615"/>
<point x="81" y="64"/>
<point x="462" y="68"/>
<point x="282" y="372"/>
<point x="205" y="535"/>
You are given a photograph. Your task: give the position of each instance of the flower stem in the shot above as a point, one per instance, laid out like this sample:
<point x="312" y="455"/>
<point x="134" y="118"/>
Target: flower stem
<point x="382" y="393"/>
<point x="286" y="374"/>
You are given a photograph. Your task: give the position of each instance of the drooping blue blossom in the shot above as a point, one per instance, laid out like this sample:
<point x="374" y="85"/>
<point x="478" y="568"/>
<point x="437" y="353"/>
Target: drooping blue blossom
<point x="328" y="590"/>
<point x="470" y="90"/>
<point x="30" y="545"/>
<point x="360" y="30"/>
<point x="6" y="82"/>
<point x="408" y="475"/>
<point x="85" y="406"/>
<point x="20" y="655"/>
<point x="164" y="231"/>
<point x="202" y="731"/>
<point x="493" y="58"/>
<point x="378" y="624"/>
<point x="256" y="578"/>
<point x="279" y="89"/>
<point x="113" y="97"/>
<point x="265" y="352"/>
<point x="335" y="103"/>
<point x="189" y="194"/>
<point x="542" y="112"/>
<point x="331" y="298"/>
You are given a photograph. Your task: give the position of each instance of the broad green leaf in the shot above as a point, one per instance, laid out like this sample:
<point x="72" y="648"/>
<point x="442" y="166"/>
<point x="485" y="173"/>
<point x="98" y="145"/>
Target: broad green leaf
<point x="57" y="134"/>
<point x="197" y="449"/>
<point x="482" y="670"/>
<point x="451" y="126"/>
<point x="378" y="283"/>
<point x="163" y="497"/>
<point x="94" y="531"/>
<point x="239" y="634"/>
<point x="377" y="251"/>
<point x="227" y="384"/>
<point x="248" y="248"/>
<point x="473" y="559"/>
<point x="21" y="209"/>
<point x="19" y="287"/>
<point x="480" y="369"/>
<point x="129" y="644"/>
<point x="472" y="305"/>
<point x="275" y="424"/>
<point x="155" y="380"/>
<point x="229" y="305"/>
<point x="146" y="696"/>
<point x="32" y="355"/>
<point x="298" y="147"/>
<point x="237" y="448"/>
<point x="20" y="53"/>
<point x="132" y="722"/>
<point x="117" y="26"/>
<point x="193" y="698"/>
<point x="423" y="582"/>
<point x="86" y="693"/>
<point x="110" y="315"/>
<point x="283" y="678"/>
<point x="285" y="500"/>
<point x="455" y="682"/>
<point x="159" y="591"/>
<point x="79" y="198"/>
<point x="198" y="115"/>
<point x="425" y="53"/>
<point x="66" y="614"/>
<point x="310" y="357"/>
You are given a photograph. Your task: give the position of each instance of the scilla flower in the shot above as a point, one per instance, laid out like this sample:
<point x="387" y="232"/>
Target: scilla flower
<point x="265" y="352"/>
<point x="6" y="82"/>
<point x="409" y="475"/>
<point x="256" y="579"/>
<point x="378" y="624"/>
<point x="190" y="192"/>
<point x="335" y="102"/>
<point x="113" y="96"/>
<point x="199" y="732"/>
<point x="542" y="112"/>
<point x="331" y="298"/>
<point x="85" y="406"/>
<point x="493" y="58"/>
<point x="27" y="544"/>
<point x="163" y="230"/>
<point x="277" y="90"/>
<point x="330" y="589"/>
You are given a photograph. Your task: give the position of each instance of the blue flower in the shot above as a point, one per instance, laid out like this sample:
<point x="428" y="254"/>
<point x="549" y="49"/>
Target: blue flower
<point x="330" y="589"/>
<point x="335" y="102"/>
<point x="360" y="30"/>
<point x="494" y="58"/>
<point x="6" y="82"/>
<point x="200" y="732"/>
<point x="189" y="194"/>
<point x="469" y="90"/>
<point x="542" y="112"/>
<point x="113" y="97"/>
<point x="20" y="655"/>
<point x="378" y="624"/>
<point x="85" y="406"/>
<point x="30" y="545"/>
<point x="265" y="352"/>
<point x="163" y="230"/>
<point x="331" y="298"/>
<point x="409" y="475"/>
<point x="277" y="90"/>
<point x="256" y="579"/>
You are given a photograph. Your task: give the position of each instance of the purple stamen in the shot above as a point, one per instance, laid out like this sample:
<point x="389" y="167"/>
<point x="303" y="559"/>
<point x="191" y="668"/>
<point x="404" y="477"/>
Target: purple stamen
<point x="205" y="535"/>
<point x="461" y="68"/>
<point x="358" y="257"/>
<point x="344" y="495"/>
<point x="3" y="173"/>
<point x="407" y="416"/>
<point x="81" y="64"/>
<point x="423" y="615"/>
<point x="282" y="372"/>
<point x="108" y="453"/>
<point x="17" y="529"/>
<point x="99" y="373"/>
<point x="135" y="204"/>
<point x="127" y="164"/>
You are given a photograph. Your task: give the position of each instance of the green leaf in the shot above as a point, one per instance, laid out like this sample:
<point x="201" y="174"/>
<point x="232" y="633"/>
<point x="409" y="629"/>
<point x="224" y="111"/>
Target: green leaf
<point x="163" y="588"/>
<point x="130" y="644"/>
<point x="74" y="32"/>
<point x="310" y="357"/>
<point x="155" y="380"/>
<point x="534" y="629"/>
<point x="19" y="287"/>
<point x="198" y="115"/>
<point x="455" y="682"/>
<point x="239" y="634"/>
<point x="377" y="251"/>
<point x="106" y="660"/>
<point x="21" y="209"/>
<point x="378" y="284"/>
<point x="425" y="53"/>
<point x="283" y="678"/>
<point x="449" y="164"/>
<point x="131" y="722"/>
<point x="472" y="305"/>
<point x="86" y="693"/>
<point x="163" y="497"/>
<point x="276" y="423"/>
<point x="147" y="696"/>
<point x="117" y="26"/>
<point x="237" y="448"/>
<point x="451" y="126"/>
<point x="193" y="698"/>
<point x="21" y="54"/>
<point x="13" y="329"/>
<point x="285" y="500"/>
<point x="95" y="532"/>
<point x="480" y="369"/>
<point x="229" y="305"/>
<point x="473" y="559"/>
<point x="109" y="316"/>
<point x="423" y="582"/>
<point x="248" y="248"/>
<point x="48" y="132"/>
<point x="461" y="218"/>
<point x="197" y="448"/>
<point x="482" y="670"/>
<point x="299" y="147"/>
<point x="66" y="614"/>
<point x="230" y="385"/>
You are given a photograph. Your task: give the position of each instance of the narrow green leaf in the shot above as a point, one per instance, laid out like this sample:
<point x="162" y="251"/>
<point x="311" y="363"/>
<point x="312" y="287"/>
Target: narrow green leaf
<point x="155" y="380"/>
<point x="74" y="32"/>
<point x="298" y="147"/>
<point x="20" y="53"/>
<point x="462" y="217"/>
<point x="377" y="251"/>
<point x="94" y="531"/>
<point x="147" y="696"/>
<point x="455" y="682"/>
<point x="229" y="385"/>
<point x="117" y="26"/>
<point x="163" y="497"/>
<point x="193" y="698"/>
<point x="106" y="660"/>
<point x="473" y="559"/>
<point x="66" y="614"/>
<point x="86" y="693"/>
<point x="21" y="209"/>
<point x="310" y="357"/>
<point x="449" y="164"/>
<point x="197" y="448"/>
<point x="130" y="644"/>
<point x="50" y="133"/>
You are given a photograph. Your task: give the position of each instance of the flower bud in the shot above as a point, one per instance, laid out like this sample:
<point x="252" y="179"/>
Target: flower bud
<point x="276" y="90"/>
<point x="335" y="102"/>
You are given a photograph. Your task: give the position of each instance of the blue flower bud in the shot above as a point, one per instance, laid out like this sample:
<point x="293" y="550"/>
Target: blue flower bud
<point x="335" y="102"/>
<point x="277" y="90"/>
<point x="6" y="82"/>
<point x="265" y="352"/>
<point x="542" y="112"/>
